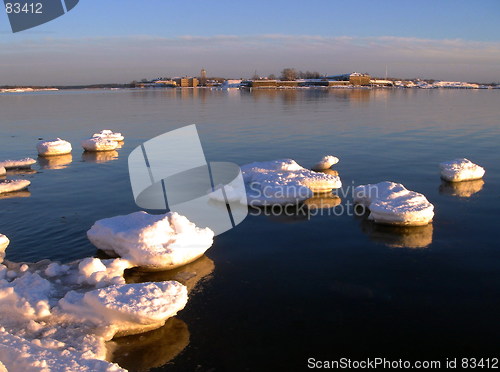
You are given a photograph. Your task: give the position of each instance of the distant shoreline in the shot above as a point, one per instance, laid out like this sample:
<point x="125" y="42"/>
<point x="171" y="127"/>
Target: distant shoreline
<point x="280" y="88"/>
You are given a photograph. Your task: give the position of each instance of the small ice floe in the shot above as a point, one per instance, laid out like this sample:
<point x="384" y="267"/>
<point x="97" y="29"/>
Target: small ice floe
<point x="4" y="243"/>
<point x="464" y="189"/>
<point x="53" y="147"/>
<point x="124" y="309"/>
<point x="391" y="203"/>
<point x="325" y="163"/>
<point x="460" y="170"/>
<point x="283" y="182"/>
<point x="13" y="185"/>
<point x="59" y="317"/>
<point x="109" y="135"/>
<point x="99" y="144"/>
<point x="3" y="171"/>
<point x="17" y="164"/>
<point x="152" y="242"/>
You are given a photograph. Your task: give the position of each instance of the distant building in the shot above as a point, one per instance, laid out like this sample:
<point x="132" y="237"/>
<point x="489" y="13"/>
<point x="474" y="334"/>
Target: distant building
<point x="186" y="82"/>
<point x="355" y="78"/>
<point x="203" y="77"/>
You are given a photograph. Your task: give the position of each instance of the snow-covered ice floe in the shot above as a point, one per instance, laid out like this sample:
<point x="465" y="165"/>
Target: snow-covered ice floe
<point x="4" y="243"/>
<point x="99" y="144"/>
<point x="13" y="185"/>
<point x="282" y="182"/>
<point x="58" y="317"/>
<point x="391" y="203"/>
<point x="152" y="242"/>
<point x="325" y="163"/>
<point x="109" y="135"/>
<point x="461" y="170"/>
<point x="17" y="164"/>
<point x="53" y="147"/>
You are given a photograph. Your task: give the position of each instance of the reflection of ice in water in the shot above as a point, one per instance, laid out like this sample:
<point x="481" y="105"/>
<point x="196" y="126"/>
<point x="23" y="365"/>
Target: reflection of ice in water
<point x="100" y="156"/>
<point x="399" y="236"/>
<point x="189" y="275"/>
<point x="12" y="172"/>
<point x="156" y="348"/>
<point x="15" y="194"/>
<point x="322" y="201"/>
<point x="152" y="349"/>
<point x="331" y="172"/>
<point x="55" y="161"/>
<point x="464" y="189"/>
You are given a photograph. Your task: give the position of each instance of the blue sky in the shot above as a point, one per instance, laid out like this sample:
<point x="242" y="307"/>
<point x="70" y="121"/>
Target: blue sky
<point x="122" y="40"/>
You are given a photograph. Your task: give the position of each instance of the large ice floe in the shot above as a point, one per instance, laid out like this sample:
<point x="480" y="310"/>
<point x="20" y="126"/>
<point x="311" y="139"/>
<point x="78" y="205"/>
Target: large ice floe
<point x="99" y="144"/>
<point x="53" y="147"/>
<point x="326" y="162"/>
<point x="109" y="135"/>
<point x="391" y="203"/>
<point x="13" y="185"/>
<point x="282" y="182"/>
<point x="17" y="164"/>
<point x="58" y="317"/>
<point x="152" y="242"/>
<point x="460" y="170"/>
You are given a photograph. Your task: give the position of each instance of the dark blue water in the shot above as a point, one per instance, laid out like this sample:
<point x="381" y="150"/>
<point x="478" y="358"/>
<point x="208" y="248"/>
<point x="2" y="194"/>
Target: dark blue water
<point x="287" y="288"/>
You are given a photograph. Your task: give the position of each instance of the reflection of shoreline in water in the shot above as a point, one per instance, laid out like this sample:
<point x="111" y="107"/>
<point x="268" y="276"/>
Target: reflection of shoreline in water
<point x="15" y="194"/>
<point x="463" y="189"/>
<point x="99" y="157"/>
<point x="55" y="161"/>
<point x="189" y="275"/>
<point x="152" y="349"/>
<point x="398" y="236"/>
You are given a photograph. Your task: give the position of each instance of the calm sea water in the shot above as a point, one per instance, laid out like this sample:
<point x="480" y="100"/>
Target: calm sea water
<point x="276" y="291"/>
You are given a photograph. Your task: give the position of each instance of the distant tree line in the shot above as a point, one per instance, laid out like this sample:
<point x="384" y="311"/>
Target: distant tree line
<point x="291" y="74"/>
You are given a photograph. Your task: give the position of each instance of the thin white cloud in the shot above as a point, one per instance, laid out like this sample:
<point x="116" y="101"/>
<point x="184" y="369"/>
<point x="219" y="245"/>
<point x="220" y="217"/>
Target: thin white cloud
<point x="121" y="59"/>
